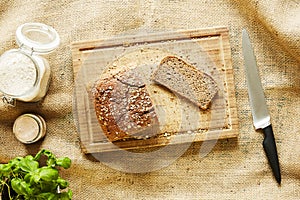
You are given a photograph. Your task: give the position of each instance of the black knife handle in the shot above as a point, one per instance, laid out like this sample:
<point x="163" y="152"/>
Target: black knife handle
<point x="271" y="152"/>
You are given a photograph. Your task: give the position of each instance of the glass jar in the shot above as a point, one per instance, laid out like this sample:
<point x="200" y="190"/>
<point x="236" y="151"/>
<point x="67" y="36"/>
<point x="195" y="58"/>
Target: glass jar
<point x="24" y="74"/>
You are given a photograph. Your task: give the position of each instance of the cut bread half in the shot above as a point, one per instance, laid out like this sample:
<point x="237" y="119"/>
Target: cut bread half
<point x="186" y="80"/>
<point x="124" y="108"/>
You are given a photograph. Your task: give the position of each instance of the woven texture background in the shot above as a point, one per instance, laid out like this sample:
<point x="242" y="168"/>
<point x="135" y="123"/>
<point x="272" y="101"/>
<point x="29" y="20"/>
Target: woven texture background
<point x="235" y="169"/>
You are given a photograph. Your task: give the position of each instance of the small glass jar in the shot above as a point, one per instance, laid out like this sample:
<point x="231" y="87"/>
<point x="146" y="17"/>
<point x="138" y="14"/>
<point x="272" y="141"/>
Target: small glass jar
<point x="29" y="128"/>
<point x="24" y="74"/>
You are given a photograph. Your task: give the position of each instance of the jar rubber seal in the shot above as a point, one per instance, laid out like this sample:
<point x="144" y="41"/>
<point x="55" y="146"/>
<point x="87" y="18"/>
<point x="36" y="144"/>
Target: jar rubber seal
<point x="37" y="37"/>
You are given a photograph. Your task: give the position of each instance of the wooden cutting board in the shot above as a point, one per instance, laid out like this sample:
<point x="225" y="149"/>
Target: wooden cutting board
<point x="207" y="49"/>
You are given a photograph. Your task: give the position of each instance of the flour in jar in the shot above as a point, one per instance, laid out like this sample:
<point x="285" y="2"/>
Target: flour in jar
<point x="17" y="73"/>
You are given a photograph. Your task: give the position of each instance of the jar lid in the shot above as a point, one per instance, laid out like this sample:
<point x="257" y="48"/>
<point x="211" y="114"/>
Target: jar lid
<point x="29" y="128"/>
<point x="37" y="37"/>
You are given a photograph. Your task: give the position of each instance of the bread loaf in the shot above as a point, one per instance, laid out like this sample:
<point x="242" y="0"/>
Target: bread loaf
<point x="186" y="80"/>
<point x="123" y="107"/>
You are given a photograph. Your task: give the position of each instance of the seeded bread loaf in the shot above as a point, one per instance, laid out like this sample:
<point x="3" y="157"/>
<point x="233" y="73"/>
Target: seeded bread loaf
<point x="186" y="80"/>
<point x="123" y="107"/>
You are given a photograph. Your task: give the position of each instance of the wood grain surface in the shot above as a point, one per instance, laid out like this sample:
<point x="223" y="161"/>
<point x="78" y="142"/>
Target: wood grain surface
<point x="207" y="49"/>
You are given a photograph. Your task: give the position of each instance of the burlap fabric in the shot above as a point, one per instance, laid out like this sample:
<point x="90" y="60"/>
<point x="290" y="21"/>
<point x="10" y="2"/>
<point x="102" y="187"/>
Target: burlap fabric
<point x="235" y="169"/>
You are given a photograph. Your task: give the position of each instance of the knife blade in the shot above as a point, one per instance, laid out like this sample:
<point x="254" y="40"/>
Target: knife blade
<point x="260" y="113"/>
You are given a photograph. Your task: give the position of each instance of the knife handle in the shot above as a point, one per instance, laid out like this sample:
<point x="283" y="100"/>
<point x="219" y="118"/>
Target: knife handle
<point x="271" y="151"/>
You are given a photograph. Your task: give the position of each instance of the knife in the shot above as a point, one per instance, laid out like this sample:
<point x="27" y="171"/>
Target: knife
<point x="260" y="114"/>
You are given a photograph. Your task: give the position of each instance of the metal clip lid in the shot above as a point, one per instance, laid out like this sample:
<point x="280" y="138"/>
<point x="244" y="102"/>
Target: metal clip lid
<point x="9" y="101"/>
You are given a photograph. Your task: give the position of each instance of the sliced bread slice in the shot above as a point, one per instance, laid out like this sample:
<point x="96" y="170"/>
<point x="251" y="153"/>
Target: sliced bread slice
<point x="186" y="80"/>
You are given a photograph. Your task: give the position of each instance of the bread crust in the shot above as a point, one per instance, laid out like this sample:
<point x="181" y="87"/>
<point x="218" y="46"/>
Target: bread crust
<point x="123" y="107"/>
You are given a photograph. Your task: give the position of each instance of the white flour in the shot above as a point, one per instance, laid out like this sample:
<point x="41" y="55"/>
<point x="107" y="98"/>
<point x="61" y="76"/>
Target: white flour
<point x="17" y="73"/>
